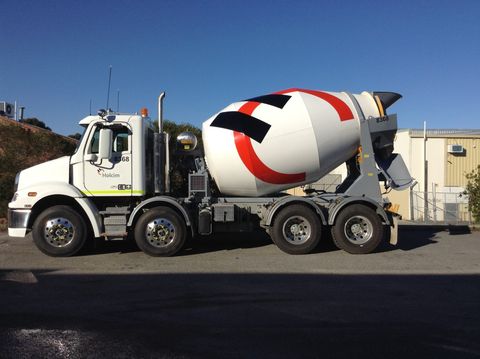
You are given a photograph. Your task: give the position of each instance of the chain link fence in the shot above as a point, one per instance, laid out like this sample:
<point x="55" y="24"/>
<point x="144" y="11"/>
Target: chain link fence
<point x="440" y="207"/>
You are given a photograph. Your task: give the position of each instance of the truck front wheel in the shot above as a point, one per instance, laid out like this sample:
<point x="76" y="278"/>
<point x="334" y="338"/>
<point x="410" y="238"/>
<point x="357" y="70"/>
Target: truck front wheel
<point x="296" y="229"/>
<point x="160" y="232"/>
<point x="59" y="231"/>
<point x="357" y="230"/>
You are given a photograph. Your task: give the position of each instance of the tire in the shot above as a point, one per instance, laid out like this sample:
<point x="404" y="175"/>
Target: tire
<point x="160" y="232"/>
<point x="296" y="229"/>
<point x="358" y="230"/>
<point x="59" y="231"/>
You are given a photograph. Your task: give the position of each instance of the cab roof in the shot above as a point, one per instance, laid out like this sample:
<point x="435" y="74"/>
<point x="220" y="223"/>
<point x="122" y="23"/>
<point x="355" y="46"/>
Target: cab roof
<point x="110" y="117"/>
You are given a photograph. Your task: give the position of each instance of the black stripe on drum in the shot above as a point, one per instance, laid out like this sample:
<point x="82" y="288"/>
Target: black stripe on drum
<point x="237" y="121"/>
<point x="276" y="100"/>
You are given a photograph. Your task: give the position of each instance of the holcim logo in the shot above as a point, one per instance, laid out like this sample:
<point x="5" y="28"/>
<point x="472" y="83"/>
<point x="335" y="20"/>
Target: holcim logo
<point x="102" y="173"/>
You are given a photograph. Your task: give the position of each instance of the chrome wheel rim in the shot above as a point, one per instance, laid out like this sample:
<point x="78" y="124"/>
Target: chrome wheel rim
<point x="59" y="232"/>
<point x="297" y="230"/>
<point x="358" y="230"/>
<point x="160" y="232"/>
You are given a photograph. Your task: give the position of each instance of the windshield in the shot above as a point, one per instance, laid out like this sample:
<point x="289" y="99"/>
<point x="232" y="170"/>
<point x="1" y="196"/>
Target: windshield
<point x="81" y="138"/>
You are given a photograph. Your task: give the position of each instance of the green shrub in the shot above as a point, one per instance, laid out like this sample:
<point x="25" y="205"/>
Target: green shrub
<point x="472" y="190"/>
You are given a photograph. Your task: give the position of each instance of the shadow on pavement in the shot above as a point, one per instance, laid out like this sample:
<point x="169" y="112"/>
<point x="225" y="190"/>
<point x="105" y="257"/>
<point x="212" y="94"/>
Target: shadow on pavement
<point x="240" y="316"/>
<point x="410" y="237"/>
<point x="100" y="246"/>
<point x="198" y="245"/>
<point x="225" y="241"/>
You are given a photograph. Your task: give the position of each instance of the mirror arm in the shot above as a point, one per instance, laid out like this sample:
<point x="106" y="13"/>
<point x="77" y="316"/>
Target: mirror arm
<point x="91" y="157"/>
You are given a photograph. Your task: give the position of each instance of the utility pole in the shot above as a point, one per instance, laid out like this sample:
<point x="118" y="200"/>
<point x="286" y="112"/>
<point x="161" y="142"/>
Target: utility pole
<point x="425" y="173"/>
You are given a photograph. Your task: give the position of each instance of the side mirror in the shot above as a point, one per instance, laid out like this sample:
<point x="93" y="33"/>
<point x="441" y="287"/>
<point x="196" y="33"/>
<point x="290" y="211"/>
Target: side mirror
<point x="105" y="144"/>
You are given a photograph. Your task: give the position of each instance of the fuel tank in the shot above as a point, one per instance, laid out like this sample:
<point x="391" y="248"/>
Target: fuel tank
<point x="286" y="139"/>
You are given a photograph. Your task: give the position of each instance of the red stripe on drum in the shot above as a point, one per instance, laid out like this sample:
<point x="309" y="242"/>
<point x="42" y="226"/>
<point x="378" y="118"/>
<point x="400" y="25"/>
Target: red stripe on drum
<point x="341" y="107"/>
<point x="254" y="164"/>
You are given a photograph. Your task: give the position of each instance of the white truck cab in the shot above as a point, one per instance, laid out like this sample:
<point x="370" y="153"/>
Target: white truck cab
<point x="111" y="162"/>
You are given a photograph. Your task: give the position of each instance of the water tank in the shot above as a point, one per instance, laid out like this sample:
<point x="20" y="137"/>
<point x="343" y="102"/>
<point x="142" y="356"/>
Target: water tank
<point x="289" y="138"/>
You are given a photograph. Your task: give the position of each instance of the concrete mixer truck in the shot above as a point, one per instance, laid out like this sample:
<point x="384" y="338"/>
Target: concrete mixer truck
<point x="118" y="180"/>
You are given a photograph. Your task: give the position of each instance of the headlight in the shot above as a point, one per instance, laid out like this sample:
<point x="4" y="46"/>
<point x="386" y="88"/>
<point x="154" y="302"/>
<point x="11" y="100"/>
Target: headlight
<point x="15" y="186"/>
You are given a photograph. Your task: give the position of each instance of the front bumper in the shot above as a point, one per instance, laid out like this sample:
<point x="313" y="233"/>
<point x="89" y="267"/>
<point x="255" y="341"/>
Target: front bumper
<point x="18" y="222"/>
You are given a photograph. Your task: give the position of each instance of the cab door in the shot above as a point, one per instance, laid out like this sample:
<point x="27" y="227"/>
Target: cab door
<point x="110" y="177"/>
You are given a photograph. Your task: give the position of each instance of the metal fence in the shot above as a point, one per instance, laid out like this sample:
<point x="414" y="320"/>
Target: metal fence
<point x="439" y="207"/>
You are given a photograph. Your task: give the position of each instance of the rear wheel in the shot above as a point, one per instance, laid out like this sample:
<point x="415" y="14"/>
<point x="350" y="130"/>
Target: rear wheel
<point x="160" y="232"/>
<point x="357" y="230"/>
<point x="296" y="229"/>
<point x="59" y="231"/>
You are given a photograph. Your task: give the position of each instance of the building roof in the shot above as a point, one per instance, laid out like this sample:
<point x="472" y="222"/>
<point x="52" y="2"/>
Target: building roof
<point x="443" y="132"/>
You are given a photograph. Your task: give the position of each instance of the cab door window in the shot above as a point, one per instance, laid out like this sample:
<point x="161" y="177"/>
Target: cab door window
<point x="120" y="139"/>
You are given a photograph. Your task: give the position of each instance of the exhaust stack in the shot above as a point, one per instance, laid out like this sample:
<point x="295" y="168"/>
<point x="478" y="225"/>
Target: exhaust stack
<point x="160" y="150"/>
<point x="160" y="112"/>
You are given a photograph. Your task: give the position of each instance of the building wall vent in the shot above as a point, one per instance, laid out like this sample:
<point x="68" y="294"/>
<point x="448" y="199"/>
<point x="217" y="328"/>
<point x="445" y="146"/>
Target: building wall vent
<point x="7" y="109"/>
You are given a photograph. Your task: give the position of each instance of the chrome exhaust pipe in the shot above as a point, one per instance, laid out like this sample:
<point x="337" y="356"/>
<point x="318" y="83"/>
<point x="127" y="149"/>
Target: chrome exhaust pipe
<point x="160" y="112"/>
<point x="161" y="163"/>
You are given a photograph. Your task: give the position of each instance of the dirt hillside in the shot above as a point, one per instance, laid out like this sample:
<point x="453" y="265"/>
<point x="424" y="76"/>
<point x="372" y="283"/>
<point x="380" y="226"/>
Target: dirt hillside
<point x="23" y="146"/>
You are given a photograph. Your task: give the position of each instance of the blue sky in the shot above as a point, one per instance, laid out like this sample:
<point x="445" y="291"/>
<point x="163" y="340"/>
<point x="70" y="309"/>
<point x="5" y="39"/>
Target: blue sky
<point x="207" y="54"/>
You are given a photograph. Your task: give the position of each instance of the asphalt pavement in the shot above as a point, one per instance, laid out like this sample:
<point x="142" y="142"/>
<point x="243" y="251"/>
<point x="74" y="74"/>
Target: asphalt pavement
<point x="238" y="296"/>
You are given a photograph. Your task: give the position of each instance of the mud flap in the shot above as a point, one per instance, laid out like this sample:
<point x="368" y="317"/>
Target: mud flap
<point x="394" y="231"/>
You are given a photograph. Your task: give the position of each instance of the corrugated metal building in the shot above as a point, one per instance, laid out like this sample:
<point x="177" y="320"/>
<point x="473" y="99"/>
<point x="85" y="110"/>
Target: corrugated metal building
<point x="439" y="158"/>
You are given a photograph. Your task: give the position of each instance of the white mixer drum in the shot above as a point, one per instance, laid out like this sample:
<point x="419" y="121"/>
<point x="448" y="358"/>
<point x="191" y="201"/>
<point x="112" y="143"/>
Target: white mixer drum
<point x="282" y="140"/>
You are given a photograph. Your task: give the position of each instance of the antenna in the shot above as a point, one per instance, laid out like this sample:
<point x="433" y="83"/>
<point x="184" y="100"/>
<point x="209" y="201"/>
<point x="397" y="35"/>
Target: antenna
<point x="109" y="81"/>
<point x="118" y="100"/>
<point x="90" y="108"/>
